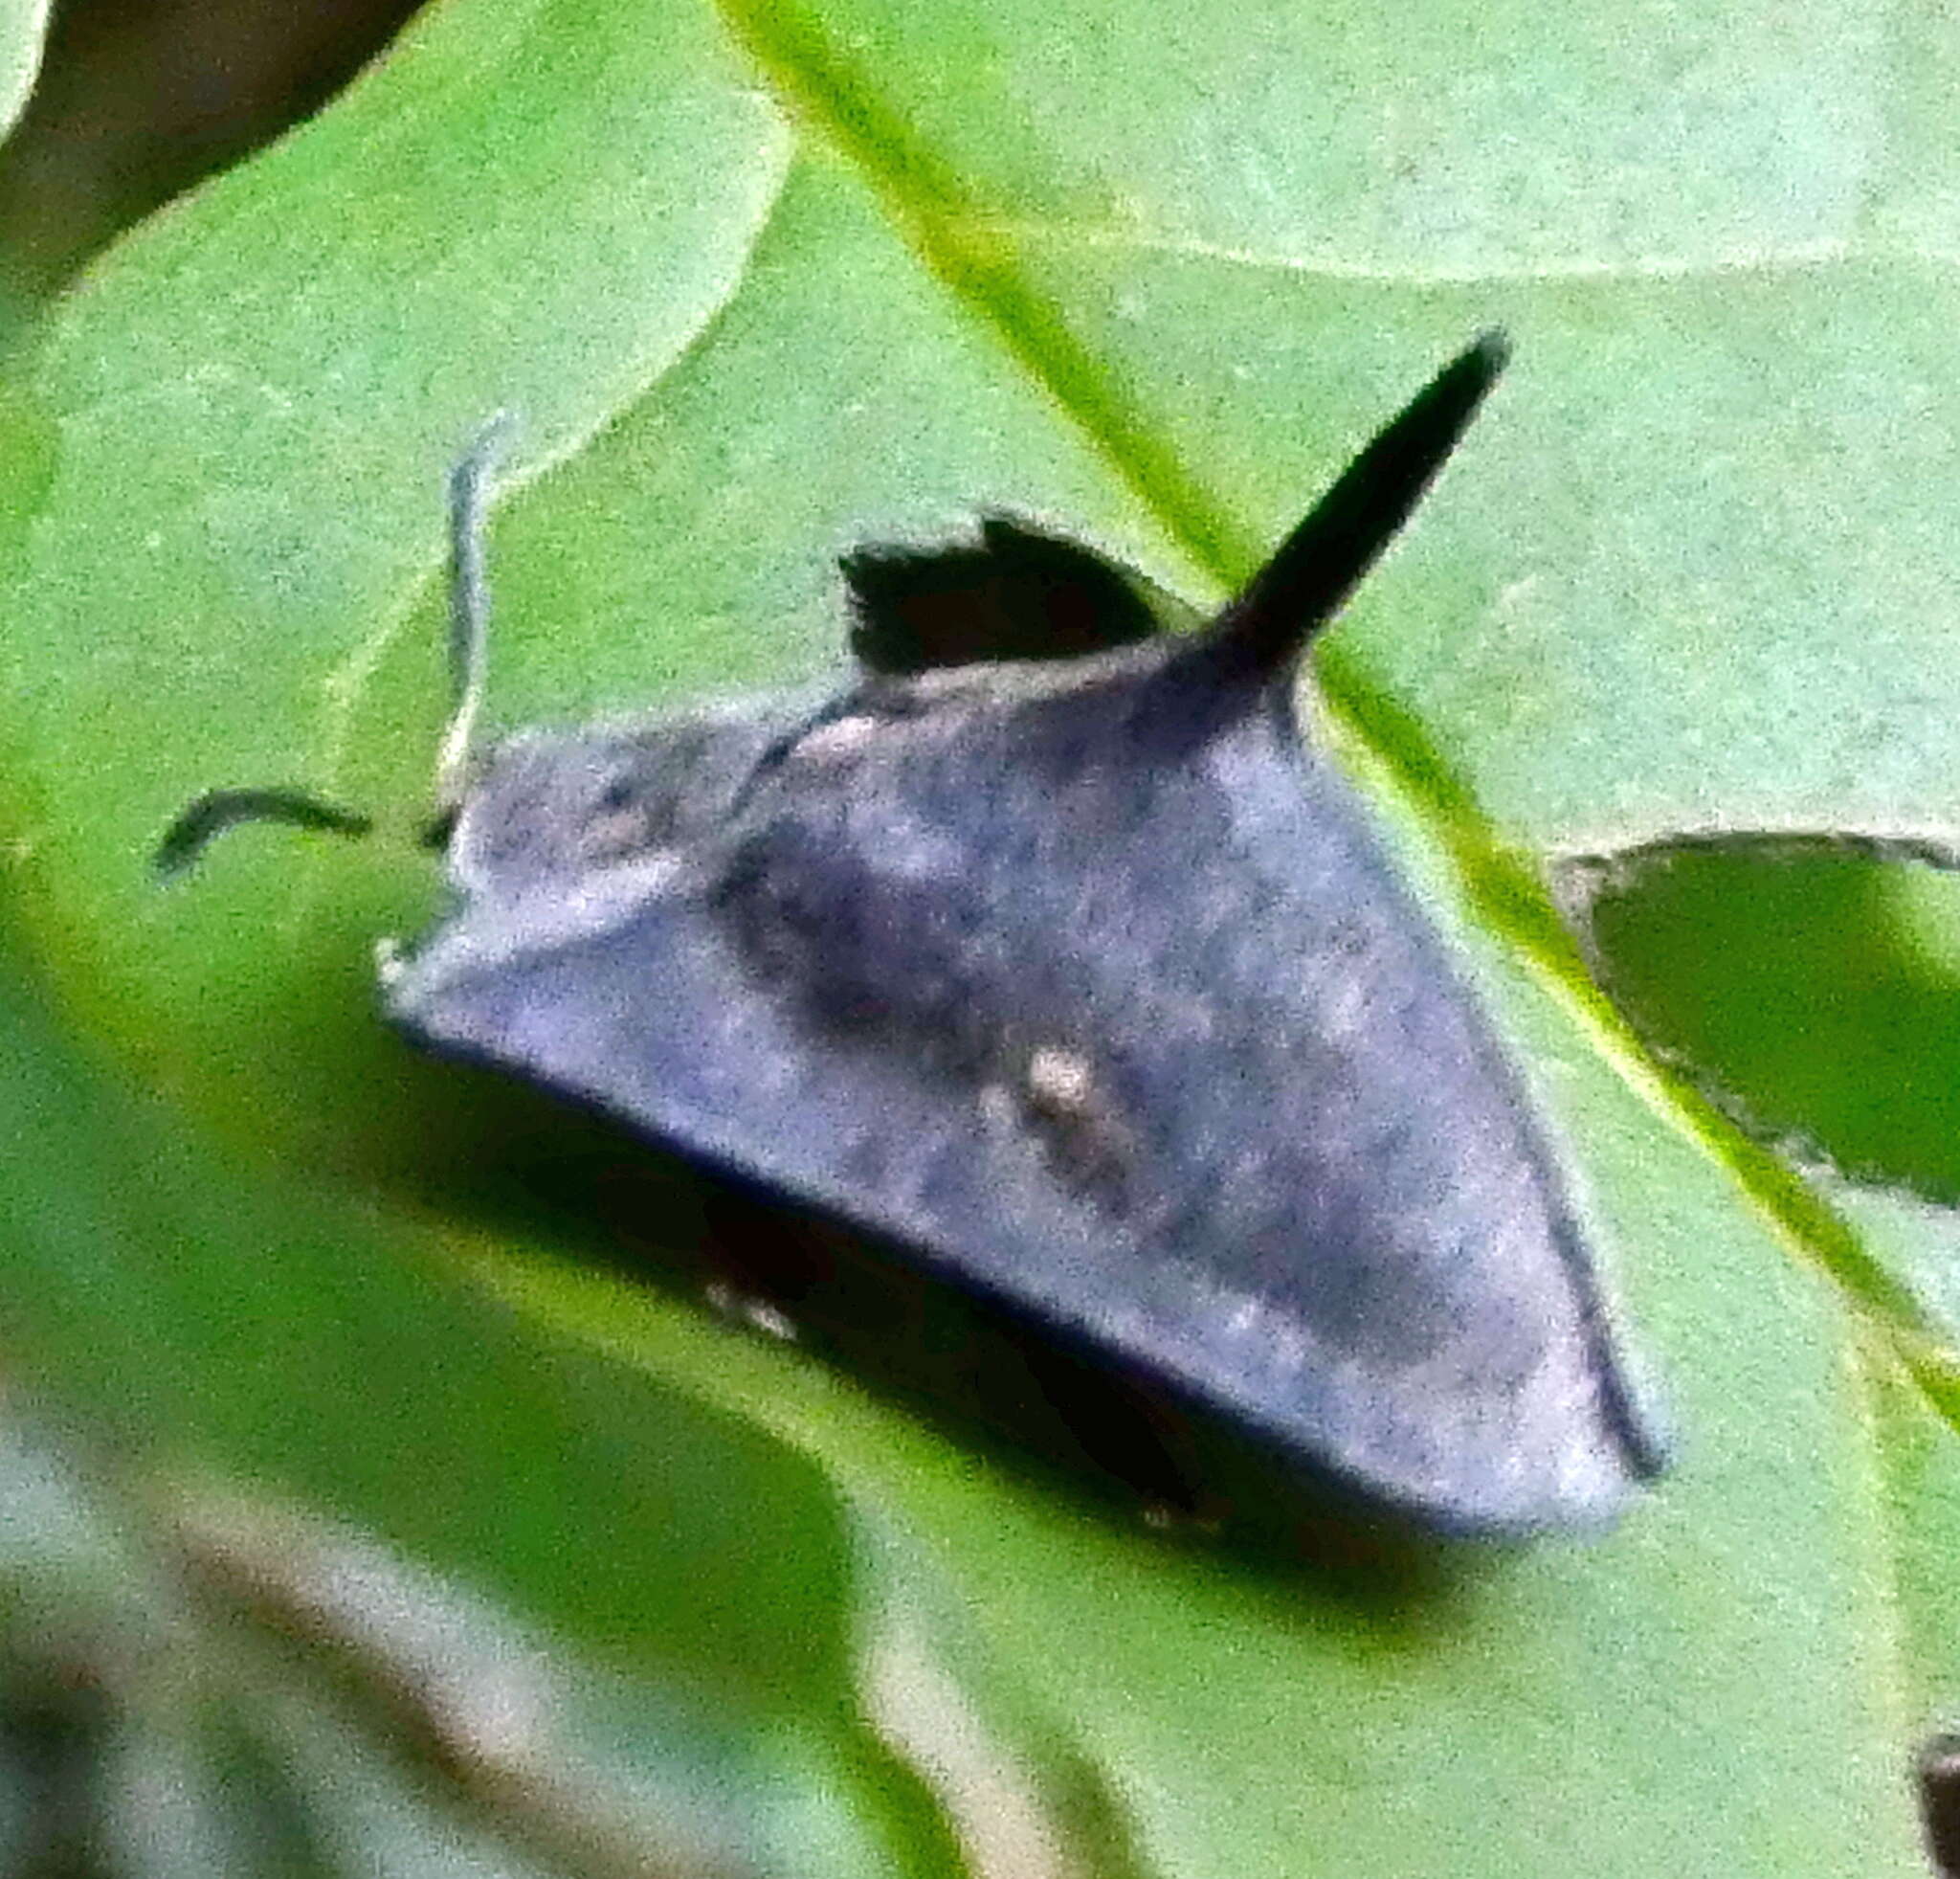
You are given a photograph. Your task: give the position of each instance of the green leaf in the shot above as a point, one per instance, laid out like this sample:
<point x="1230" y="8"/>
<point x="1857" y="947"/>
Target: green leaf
<point x="763" y="283"/>
<point x="1808" y="983"/>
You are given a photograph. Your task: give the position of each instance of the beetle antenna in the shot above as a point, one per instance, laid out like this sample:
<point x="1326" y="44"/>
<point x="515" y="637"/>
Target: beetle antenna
<point x="469" y="608"/>
<point x="201" y="824"/>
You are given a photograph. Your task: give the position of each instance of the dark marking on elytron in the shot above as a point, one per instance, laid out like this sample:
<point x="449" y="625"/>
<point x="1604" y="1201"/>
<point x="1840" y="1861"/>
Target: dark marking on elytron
<point x="1084" y="981"/>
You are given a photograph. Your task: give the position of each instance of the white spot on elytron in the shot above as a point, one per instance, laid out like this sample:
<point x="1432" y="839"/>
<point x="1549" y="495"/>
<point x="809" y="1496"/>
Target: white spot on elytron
<point x="843" y="738"/>
<point x="1059" y="1079"/>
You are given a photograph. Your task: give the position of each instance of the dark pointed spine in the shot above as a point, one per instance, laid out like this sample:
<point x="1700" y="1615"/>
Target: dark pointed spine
<point x="1260" y="636"/>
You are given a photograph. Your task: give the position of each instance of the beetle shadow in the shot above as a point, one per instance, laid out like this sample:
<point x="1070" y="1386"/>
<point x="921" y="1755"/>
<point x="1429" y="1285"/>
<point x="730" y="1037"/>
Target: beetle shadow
<point x="1058" y="1416"/>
